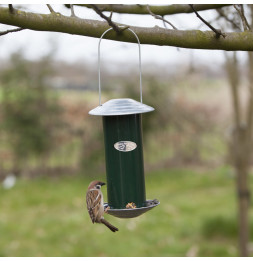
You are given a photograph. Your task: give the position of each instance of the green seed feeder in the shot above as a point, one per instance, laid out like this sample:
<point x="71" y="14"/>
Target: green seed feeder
<point x="122" y="126"/>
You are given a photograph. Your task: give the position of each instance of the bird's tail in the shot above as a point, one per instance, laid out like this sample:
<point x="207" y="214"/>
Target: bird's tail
<point x="110" y="226"/>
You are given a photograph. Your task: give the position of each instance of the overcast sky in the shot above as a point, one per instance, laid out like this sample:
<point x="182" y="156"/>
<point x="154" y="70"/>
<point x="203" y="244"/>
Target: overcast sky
<point x="75" y="48"/>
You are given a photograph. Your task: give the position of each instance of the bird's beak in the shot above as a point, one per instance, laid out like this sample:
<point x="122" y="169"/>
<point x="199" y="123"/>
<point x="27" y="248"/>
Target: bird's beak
<point x="101" y="183"/>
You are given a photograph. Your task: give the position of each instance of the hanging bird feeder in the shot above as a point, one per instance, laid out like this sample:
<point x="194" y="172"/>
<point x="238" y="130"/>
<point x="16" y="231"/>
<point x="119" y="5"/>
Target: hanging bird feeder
<point x="122" y="125"/>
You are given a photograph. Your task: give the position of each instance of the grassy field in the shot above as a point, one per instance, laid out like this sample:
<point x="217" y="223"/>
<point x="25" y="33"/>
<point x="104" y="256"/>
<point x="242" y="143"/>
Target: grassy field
<point x="196" y="217"/>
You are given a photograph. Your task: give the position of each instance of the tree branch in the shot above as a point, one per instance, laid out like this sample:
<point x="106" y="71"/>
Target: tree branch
<point x="250" y="96"/>
<point x="233" y="77"/>
<point x="108" y="19"/>
<point x="223" y="15"/>
<point x="161" y="18"/>
<point x="218" y="32"/>
<point x="159" y="10"/>
<point x="50" y="9"/>
<point x="11" y="31"/>
<point x="250" y="86"/>
<point x="72" y="11"/>
<point x="11" y="9"/>
<point x="194" y="39"/>
<point x="240" y="11"/>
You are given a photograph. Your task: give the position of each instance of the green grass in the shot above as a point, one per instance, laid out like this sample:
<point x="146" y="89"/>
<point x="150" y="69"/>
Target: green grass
<point x="47" y="217"/>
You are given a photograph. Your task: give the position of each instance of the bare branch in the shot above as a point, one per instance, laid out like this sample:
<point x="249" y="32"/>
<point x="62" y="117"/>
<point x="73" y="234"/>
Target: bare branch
<point x="240" y="11"/>
<point x="250" y="86"/>
<point x="234" y="79"/>
<point x="223" y="15"/>
<point x="108" y="19"/>
<point x="161" y="18"/>
<point x="217" y="31"/>
<point x="11" y="31"/>
<point x="156" y="9"/>
<point x="50" y="9"/>
<point x="215" y="19"/>
<point x="72" y="11"/>
<point x="11" y="9"/>
<point x="164" y="24"/>
<point x="193" y="39"/>
<point x="250" y="98"/>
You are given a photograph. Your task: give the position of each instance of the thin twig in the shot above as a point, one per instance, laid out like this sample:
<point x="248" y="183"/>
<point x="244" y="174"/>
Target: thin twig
<point x="11" y="31"/>
<point x="165" y="25"/>
<point x="217" y="31"/>
<point x="50" y="8"/>
<point x="240" y="11"/>
<point x="108" y="19"/>
<point x="210" y="21"/>
<point x="72" y="11"/>
<point x="161" y="18"/>
<point x="244" y="17"/>
<point x="223" y="15"/>
<point x="11" y="8"/>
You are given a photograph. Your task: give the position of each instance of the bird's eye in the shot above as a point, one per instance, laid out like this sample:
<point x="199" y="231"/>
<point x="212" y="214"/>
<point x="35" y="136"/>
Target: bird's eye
<point x="98" y="186"/>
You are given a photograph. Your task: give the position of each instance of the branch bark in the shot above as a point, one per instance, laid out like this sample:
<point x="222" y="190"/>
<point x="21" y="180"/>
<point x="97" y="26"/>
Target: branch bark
<point x="158" y="10"/>
<point x="194" y="39"/>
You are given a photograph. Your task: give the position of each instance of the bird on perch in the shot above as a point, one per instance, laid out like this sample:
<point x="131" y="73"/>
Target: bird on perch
<point x="95" y="204"/>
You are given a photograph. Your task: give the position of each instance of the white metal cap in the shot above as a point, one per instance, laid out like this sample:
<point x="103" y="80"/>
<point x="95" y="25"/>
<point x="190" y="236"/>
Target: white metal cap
<point x="120" y="107"/>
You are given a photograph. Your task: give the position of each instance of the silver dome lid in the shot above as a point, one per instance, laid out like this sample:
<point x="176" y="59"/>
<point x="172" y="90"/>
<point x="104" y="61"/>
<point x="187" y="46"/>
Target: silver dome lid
<point x="120" y="107"/>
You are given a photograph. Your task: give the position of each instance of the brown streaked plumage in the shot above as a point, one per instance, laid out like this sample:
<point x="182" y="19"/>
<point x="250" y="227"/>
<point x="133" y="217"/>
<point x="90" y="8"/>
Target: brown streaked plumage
<point x="95" y="204"/>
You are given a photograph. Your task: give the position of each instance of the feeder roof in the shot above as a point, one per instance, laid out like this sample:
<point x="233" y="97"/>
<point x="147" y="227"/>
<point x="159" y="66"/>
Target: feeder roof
<point x="120" y="107"/>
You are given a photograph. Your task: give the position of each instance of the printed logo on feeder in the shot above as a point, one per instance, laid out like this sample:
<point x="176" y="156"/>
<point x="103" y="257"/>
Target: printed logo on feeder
<point x="125" y="146"/>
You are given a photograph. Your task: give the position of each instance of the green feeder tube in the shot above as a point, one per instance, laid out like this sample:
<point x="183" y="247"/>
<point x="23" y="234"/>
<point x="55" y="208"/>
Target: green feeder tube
<point x="124" y="169"/>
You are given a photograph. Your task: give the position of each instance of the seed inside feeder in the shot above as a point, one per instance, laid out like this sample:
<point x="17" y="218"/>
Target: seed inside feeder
<point x="131" y="205"/>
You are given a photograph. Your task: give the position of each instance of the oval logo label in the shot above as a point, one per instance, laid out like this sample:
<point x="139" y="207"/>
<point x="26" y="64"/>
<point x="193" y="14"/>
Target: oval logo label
<point x="125" y="146"/>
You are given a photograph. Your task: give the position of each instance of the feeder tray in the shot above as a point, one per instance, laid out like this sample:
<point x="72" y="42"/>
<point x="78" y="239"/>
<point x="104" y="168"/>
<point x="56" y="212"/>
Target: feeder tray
<point x="132" y="212"/>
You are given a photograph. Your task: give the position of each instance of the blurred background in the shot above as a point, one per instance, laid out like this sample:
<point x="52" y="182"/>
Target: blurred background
<point x="50" y="148"/>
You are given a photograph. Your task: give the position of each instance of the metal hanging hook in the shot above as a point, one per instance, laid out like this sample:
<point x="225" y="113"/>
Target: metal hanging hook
<point x="99" y="67"/>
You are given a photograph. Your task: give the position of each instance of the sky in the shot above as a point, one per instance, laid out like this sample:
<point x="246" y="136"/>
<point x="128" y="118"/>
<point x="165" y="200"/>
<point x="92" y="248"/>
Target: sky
<point x="73" y="48"/>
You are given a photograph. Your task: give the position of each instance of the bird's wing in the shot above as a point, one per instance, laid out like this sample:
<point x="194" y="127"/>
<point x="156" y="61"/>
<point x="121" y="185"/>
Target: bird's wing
<point x="93" y="200"/>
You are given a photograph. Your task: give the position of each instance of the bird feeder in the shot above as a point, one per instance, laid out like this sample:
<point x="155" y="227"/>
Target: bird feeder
<point x="122" y="125"/>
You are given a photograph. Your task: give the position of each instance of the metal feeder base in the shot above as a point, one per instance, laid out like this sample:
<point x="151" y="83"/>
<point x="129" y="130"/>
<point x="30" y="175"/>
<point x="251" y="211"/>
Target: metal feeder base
<point x="132" y="212"/>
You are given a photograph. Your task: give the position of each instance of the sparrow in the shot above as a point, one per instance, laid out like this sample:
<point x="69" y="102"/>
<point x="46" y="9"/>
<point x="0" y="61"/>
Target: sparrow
<point x="95" y="204"/>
